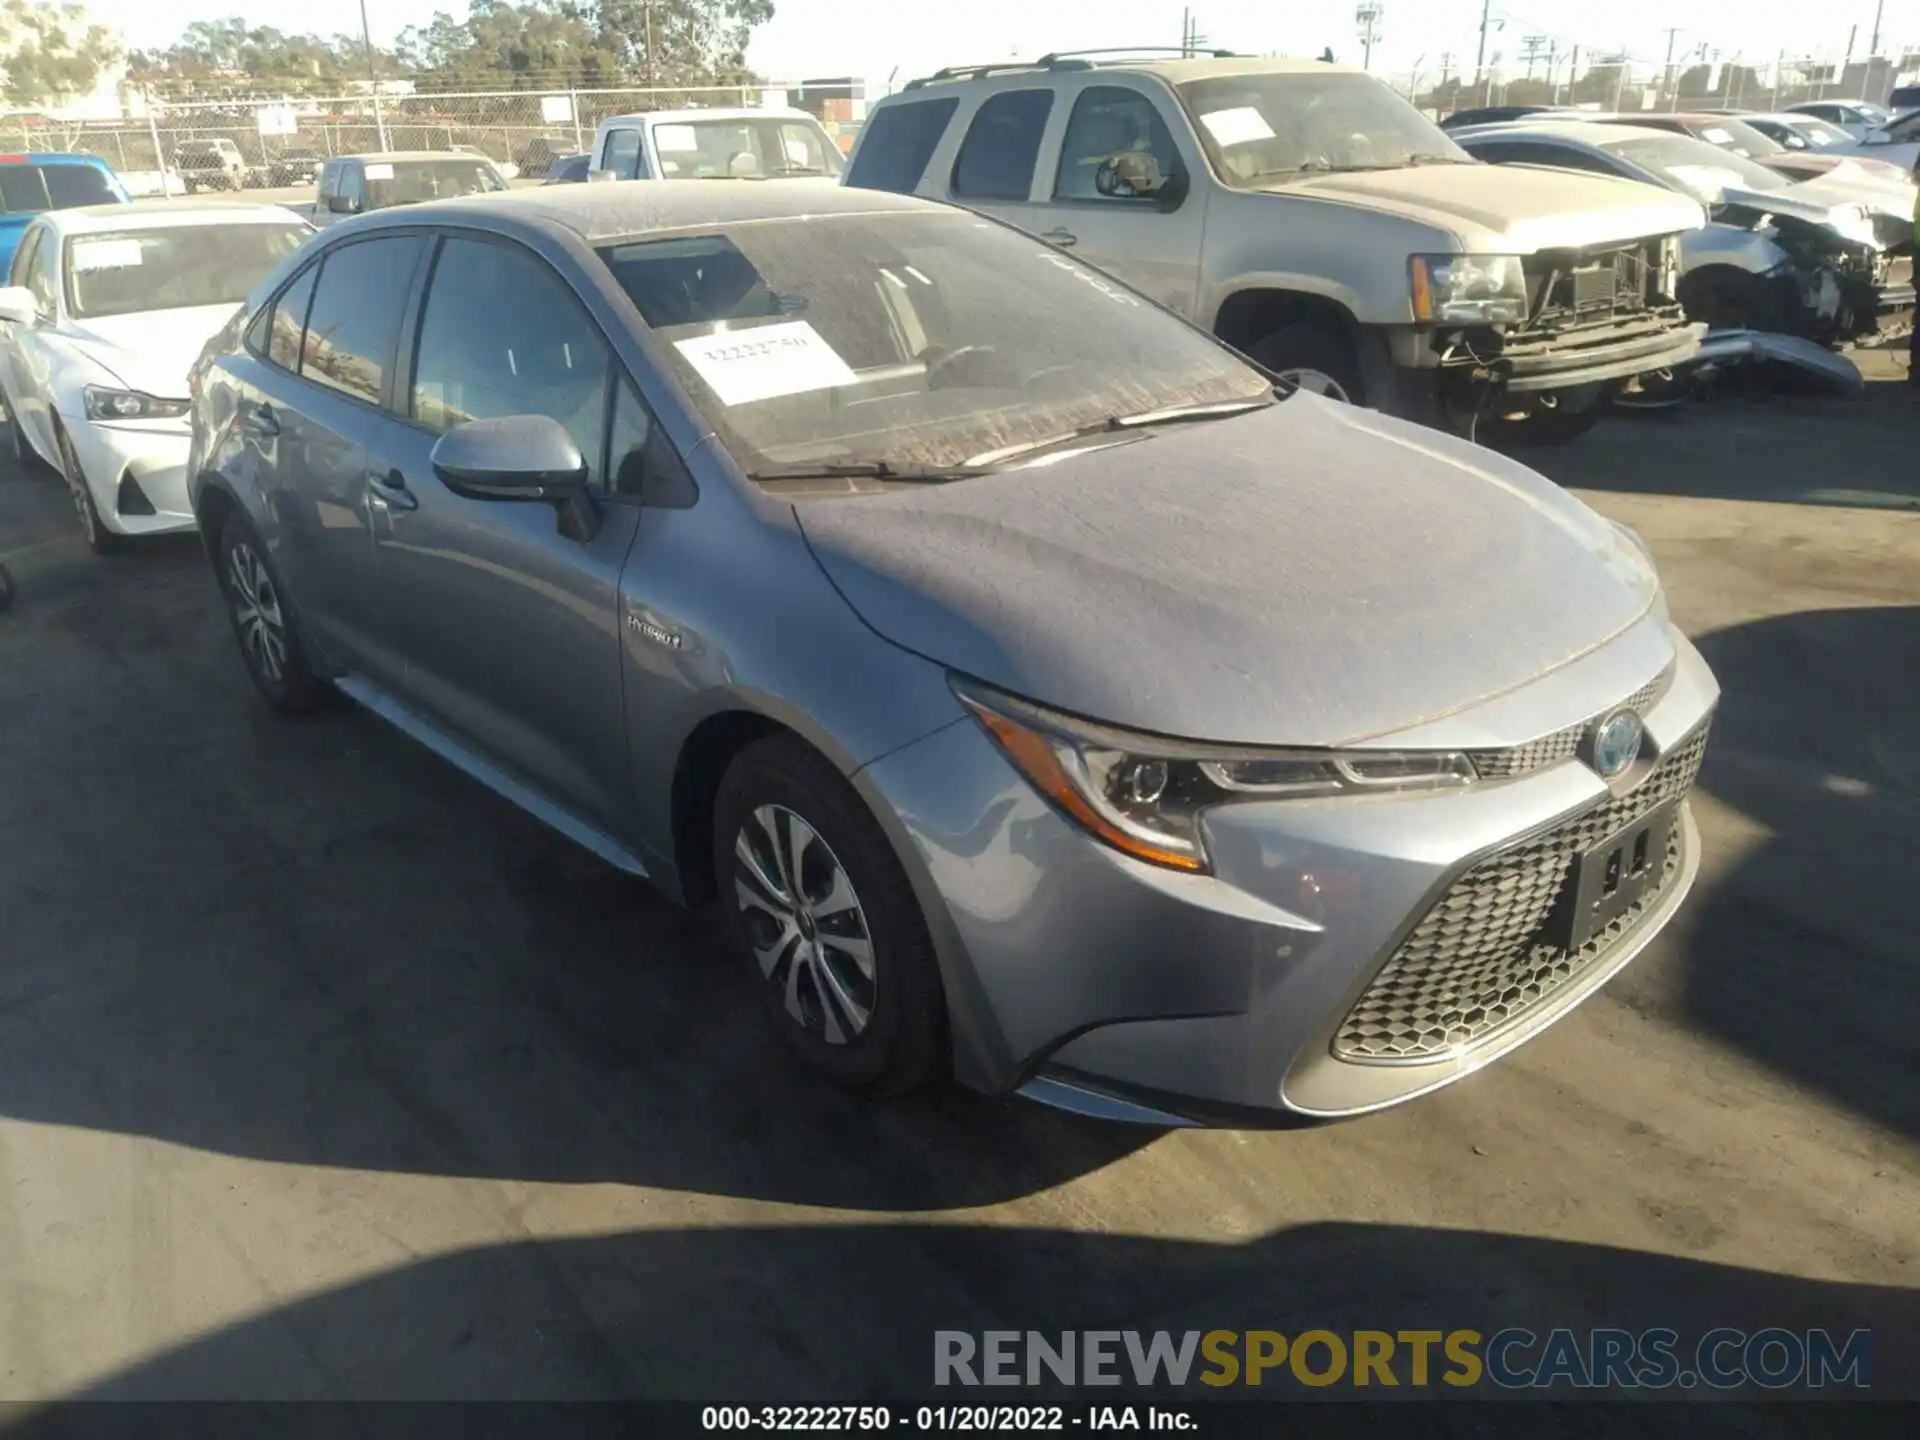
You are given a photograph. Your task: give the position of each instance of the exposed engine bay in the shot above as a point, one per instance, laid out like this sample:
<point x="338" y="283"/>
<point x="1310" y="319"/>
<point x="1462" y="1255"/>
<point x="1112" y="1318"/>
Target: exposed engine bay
<point x="1830" y="286"/>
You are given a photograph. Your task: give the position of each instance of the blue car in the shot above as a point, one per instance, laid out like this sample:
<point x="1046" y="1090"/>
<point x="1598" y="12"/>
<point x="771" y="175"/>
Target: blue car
<point x="32" y="184"/>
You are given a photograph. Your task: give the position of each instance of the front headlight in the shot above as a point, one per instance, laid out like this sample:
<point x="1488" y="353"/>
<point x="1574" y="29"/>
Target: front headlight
<point x="1144" y="794"/>
<point x="1468" y="289"/>
<point x="105" y="404"/>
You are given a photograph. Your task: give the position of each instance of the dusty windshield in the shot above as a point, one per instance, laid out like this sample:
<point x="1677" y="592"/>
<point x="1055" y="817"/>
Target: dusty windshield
<point x="1703" y="170"/>
<point x="1261" y="128"/>
<point x="410" y="182"/>
<point x="124" y="272"/>
<point x="741" y="149"/>
<point x="915" y="339"/>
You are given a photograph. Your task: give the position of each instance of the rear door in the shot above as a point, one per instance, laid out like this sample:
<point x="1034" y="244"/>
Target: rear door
<point x="508" y="629"/>
<point x="1117" y="128"/>
<point x="897" y="142"/>
<point x="993" y="169"/>
<point x="313" y="421"/>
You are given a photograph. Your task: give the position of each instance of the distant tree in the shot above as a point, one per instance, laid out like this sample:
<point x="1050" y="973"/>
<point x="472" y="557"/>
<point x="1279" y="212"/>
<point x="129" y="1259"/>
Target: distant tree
<point x="536" y="42"/>
<point x="52" y="53"/>
<point x="231" y="56"/>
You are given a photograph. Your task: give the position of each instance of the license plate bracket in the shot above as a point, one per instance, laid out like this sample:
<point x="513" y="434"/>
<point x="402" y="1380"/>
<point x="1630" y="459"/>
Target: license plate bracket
<point x="1611" y="878"/>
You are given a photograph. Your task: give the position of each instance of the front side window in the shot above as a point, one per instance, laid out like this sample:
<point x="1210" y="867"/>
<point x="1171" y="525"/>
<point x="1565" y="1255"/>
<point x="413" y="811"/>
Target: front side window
<point x="1114" y="136"/>
<point x="412" y="181"/>
<point x="1739" y="137"/>
<point x="996" y="159"/>
<point x="32" y="189"/>
<point x="173" y="267"/>
<point x="1267" y="128"/>
<point x="355" y="315"/>
<point x="899" y="142"/>
<point x="502" y="335"/>
<point x="623" y="154"/>
<point x="908" y="337"/>
<point x="743" y="148"/>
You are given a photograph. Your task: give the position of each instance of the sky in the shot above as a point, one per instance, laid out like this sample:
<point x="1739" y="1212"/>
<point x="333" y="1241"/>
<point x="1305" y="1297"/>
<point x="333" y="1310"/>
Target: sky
<point x="904" y="38"/>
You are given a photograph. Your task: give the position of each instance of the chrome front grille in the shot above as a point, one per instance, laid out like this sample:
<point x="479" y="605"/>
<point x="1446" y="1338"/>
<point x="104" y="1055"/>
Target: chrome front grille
<point x="1561" y="745"/>
<point x="1476" y="961"/>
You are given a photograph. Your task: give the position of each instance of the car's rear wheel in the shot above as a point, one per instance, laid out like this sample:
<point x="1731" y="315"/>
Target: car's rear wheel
<point x="100" y="540"/>
<point x="1316" y="356"/>
<point x="262" y="619"/>
<point x="817" y="902"/>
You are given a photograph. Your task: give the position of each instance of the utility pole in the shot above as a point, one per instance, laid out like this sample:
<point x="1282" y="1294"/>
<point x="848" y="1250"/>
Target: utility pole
<point x="653" y="73"/>
<point x="1486" y="17"/>
<point x="373" y="77"/>
<point x="1368" y="18"/>
<point x="1573" y="75"/>
<point x="1530" y="49"/>
<point x="1873" y="49"/>
<point x="1673" y="33"/>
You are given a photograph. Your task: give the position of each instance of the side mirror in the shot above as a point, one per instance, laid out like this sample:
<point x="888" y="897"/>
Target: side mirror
<point x="516" y="457"/>
<point x="343" y="205"/>
<point x="18" y="305"/>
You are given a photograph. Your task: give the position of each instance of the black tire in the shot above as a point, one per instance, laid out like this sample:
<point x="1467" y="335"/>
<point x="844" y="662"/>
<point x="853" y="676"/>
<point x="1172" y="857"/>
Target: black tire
<point x="903" y="1041"/>
<point x="1314" y="345"/>
<point x="20" y="453"/>
<point x="100" y="540"/>
<point x="291" y="685"/>
<point x="1545" y="428"/>
<point x="1731" y="300"/>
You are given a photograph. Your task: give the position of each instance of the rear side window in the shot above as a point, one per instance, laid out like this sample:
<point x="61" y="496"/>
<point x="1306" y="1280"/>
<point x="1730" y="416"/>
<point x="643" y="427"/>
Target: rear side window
<point x="30" y="189"/>
<point x="899" y="141"/>
<point x="997" y="157"/>
<point x="289" y="321"/>
<point x="355" y="316"/>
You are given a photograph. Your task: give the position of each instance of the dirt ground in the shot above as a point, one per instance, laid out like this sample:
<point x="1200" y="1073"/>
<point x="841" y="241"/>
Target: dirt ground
<point x="323" y="1073"/>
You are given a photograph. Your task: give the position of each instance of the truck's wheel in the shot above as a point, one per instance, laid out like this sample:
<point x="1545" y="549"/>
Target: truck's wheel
<point x="1315" y="355"/>
<point x="1577" y="413"/>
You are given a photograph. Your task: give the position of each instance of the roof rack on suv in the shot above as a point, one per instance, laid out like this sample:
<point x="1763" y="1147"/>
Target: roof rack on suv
<point x="1062" y="60"/>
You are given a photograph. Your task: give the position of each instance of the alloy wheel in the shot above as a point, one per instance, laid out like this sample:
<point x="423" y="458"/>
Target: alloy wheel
<point x="257" y="615"/>
<point x="805" y="923"/>
<point x="1317" y="382"/>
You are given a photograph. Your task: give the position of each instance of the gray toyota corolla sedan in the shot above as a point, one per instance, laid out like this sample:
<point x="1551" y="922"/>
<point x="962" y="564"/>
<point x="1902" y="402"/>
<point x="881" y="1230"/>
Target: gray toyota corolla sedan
<point x="1045" y="700"/>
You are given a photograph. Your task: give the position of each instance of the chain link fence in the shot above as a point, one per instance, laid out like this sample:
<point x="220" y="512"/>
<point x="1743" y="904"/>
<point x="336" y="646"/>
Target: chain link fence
<point x="524" y="128"/>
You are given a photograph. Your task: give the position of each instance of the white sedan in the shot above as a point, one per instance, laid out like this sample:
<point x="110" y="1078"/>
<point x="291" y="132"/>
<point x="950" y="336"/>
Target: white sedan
<point x="106" y="309"/>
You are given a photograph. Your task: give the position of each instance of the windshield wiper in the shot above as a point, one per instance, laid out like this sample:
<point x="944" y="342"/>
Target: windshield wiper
<point x="881" y="470"/>
<point x="1113" y="424"/>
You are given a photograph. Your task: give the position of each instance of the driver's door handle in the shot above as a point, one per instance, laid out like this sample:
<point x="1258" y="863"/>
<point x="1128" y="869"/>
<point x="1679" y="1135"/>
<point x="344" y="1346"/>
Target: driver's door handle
<point x="390" y="490"/>
<point x="262" y="421"/>
<point x="1062" y="237"/>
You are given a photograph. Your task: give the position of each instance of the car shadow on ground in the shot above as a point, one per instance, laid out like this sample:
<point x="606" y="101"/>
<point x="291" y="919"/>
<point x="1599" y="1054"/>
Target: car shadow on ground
<point x="847" y="1314"/>
<point x="313" y="942"/>
<point x="1803" y="957"/>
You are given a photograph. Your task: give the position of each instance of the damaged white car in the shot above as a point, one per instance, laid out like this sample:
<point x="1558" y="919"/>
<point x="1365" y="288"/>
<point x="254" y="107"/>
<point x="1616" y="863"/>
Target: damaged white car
<point x="1825" y="259"/>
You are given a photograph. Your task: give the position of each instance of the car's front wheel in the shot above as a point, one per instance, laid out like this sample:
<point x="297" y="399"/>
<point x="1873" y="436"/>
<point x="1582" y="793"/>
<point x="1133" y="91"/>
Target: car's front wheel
<point x="100" y="540"/>
<point x="262" y="620"/>
<point x="817" y="902"/>
<point x="1315" y="356"/>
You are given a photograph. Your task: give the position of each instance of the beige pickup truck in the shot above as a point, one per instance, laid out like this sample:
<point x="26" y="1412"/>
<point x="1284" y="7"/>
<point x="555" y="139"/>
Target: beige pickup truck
<point x="1313" y="219"/>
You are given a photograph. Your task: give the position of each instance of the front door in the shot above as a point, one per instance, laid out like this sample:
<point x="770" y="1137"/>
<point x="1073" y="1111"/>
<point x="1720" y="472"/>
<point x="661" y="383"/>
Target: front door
<point x="1115" y="134"/>
<point x="508" y="628"/>
<point x="29" y="366"/>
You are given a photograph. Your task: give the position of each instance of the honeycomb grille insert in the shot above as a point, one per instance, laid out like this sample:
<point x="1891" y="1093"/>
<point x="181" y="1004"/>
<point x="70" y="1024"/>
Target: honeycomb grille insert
<point x="1475" y="963"/>
<point x="1561" y="745"/>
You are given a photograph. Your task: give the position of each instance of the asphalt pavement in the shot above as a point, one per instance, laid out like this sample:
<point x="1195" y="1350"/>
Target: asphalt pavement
<point x="324" y="1073"/>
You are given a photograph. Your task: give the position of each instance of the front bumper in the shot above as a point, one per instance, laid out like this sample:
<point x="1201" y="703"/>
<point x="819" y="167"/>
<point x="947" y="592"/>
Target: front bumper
<point x="136" y="472"/>
<point x="1593" y="356"/>
<point x="1254" y="994"/>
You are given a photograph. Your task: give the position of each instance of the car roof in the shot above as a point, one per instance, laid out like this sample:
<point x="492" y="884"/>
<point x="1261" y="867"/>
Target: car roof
<point x="389" y="157"/>
<point x="598" y="213"/>
<point x="153" y="214"/>
<point x="1174" y="72"/>
<point x="53" y="157"/>
<point x="690" y="117"/>
<point x="1583" y="132"/>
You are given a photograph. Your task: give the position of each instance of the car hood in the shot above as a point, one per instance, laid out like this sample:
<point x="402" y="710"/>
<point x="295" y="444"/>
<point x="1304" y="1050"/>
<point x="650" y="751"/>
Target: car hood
<point x="1314" y="574"/>
<point x="151" y="351"/>
<point x="1512" y="210"/>
<point x="1855" y="187"/>
<point x="1800" y="202"/>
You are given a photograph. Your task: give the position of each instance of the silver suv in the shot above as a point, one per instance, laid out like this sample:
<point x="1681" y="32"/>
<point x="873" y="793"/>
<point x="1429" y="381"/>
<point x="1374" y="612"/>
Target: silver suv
<point x="1313" y="219"/>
